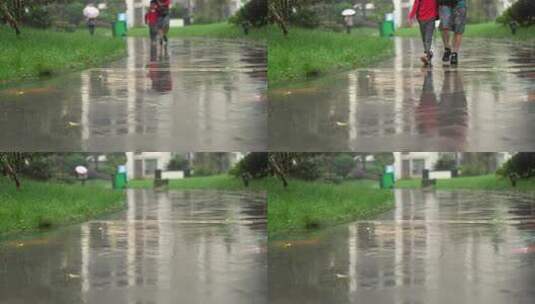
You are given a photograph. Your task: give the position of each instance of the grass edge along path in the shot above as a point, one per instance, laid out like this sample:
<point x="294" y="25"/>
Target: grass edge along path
<point x="303" y="206"/>
<point x="304" y="53"/>
<point x="39" y="53"/>
<point x="489" y="30"/>
<point x="483" y="182"/>
<point x="40" y="205"/>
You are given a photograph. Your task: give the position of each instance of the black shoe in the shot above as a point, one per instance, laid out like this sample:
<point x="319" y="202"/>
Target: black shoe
<point x="454" y="59"/>
<point x="447" y="54"/>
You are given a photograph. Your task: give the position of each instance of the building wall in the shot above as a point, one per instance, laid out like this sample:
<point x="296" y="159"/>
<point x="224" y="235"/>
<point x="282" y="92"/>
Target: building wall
<point x="410" y="164"/>
<point x="145" y="159"/>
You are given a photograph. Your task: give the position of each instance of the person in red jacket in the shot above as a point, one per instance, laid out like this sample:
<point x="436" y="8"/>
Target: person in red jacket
<point x="426" y="12"/>
<point x="151" y="19"/>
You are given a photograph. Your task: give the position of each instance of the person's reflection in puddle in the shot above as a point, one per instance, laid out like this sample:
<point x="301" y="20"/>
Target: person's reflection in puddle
<point x="427" y="110"/>
<point x="159" y="70"/>
<point x="453" y="108"/>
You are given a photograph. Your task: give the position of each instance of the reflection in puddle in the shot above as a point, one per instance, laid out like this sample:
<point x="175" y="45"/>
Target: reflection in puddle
<point x="482" y="105"/>
<point x="210" y="92"/>
<point x="434" y="247"/>
<point x="187" y="246"/>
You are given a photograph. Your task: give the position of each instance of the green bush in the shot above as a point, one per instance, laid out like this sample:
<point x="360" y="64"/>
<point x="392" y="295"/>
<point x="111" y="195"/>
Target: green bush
<point x="522" y="11"/>
<point x="178" y="162"/>
<point x="445" y="162"/>
<point x="73" y="13"/>
<point x="307" y="169"/>
<point x="305" y="17"/>
<point x="254" y="13"/>
<point x="473" y="170"/>
<point x="37" y="16"/>
<point x="343" y="164"/>
<point x="38" y="168"/>
<point x="254" y="164"/>
<point x="521" y="165"/>
<point x="178" y="11"/>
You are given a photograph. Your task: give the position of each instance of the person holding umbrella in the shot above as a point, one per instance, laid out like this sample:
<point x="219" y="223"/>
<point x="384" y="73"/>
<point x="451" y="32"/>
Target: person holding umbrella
<point x="91" y="13"/>
<point x="348" y="18"/>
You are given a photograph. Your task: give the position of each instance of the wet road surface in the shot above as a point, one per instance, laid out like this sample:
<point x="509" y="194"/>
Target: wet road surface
<point x="202" y="95"/>
<point x="487" y="103"/>
<point x="434" y="247"/>
<point x="167" y="247"/>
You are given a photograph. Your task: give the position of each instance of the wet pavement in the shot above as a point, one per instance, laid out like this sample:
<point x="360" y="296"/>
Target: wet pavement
<point x="487" y="103"/>
<point x="434" y="247"/>
<point x="167" y="247"/>
<point x="200" y="95"/>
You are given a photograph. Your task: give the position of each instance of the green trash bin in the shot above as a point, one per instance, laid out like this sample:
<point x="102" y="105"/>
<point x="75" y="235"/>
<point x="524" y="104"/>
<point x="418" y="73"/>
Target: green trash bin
<point x="119" y="181"/>
<point x="386" y="28"/>
<point x="118" y="28"/>
<point x="387" y="180"/>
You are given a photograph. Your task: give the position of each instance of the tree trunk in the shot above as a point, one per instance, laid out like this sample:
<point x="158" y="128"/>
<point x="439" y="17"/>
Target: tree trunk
<point x="278" y="19"/>
<point x="4" y="11"/>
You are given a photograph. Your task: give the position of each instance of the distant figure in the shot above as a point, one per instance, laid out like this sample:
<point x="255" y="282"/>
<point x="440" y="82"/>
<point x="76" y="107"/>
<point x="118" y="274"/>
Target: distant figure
<point x="163" y="19"/>
<point x="151" y="19"/>
<point x="426" y="12"/>
<point x="348" y="20"/>
<point x="81" y="174"/>
<point x="91" y="13"/>
<point x="513" y="25"/>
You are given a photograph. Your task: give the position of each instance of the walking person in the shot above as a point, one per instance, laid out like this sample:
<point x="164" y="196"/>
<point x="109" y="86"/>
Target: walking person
<point x="426" y="12"/>
<point x="163" y="19"/>
<point x="91" y="13"/>
<point x="151" y="19"/>
<point x="452" y="18"/>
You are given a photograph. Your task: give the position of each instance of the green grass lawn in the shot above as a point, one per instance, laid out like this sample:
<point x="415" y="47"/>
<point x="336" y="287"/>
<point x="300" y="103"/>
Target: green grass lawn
<point x="303" y="205"/>
<point x="41" y="204"/>
<point x="39" y="53"/>
<point x="304" y="53"/>
<point x="484" y="182"/>
<point x="483" y="30"/>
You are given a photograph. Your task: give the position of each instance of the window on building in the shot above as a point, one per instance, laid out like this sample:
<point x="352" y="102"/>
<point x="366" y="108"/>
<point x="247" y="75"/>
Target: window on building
<point x="150" y="166"/>
<point x="418" y="165"/>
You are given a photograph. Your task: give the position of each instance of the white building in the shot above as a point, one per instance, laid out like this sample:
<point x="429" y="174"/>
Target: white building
<point x="411" y="164"/>
<point x="144" y="164"/>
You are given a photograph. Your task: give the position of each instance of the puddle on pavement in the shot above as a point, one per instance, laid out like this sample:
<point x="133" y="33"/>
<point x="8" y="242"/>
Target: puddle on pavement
<point x="167" y="247"/>
<point x="200" y="95"/>
<point x="434" y="247"/>
<point x="485" y="104"/>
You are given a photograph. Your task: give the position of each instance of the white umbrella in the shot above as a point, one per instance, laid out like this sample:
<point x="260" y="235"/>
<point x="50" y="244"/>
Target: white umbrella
<point x="81" y="170"/>
<point x="349" y="12"/>
<point x="91" y="12"/>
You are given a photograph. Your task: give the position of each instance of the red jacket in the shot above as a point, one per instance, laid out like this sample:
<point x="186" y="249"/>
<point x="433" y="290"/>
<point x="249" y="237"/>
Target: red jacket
<point x="151" y="17"/>
<point x="424" y="10"/>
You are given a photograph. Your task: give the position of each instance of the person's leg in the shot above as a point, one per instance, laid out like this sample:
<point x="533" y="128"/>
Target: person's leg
<point x="457" y="39"/>
<point x="166" y="21"/>
<point x="429" y="32"/>
<point x="459" y="21"/>
<point x="445" y="25"/>
<point x="160" y="29"/>
<point x="427" y="29"/>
